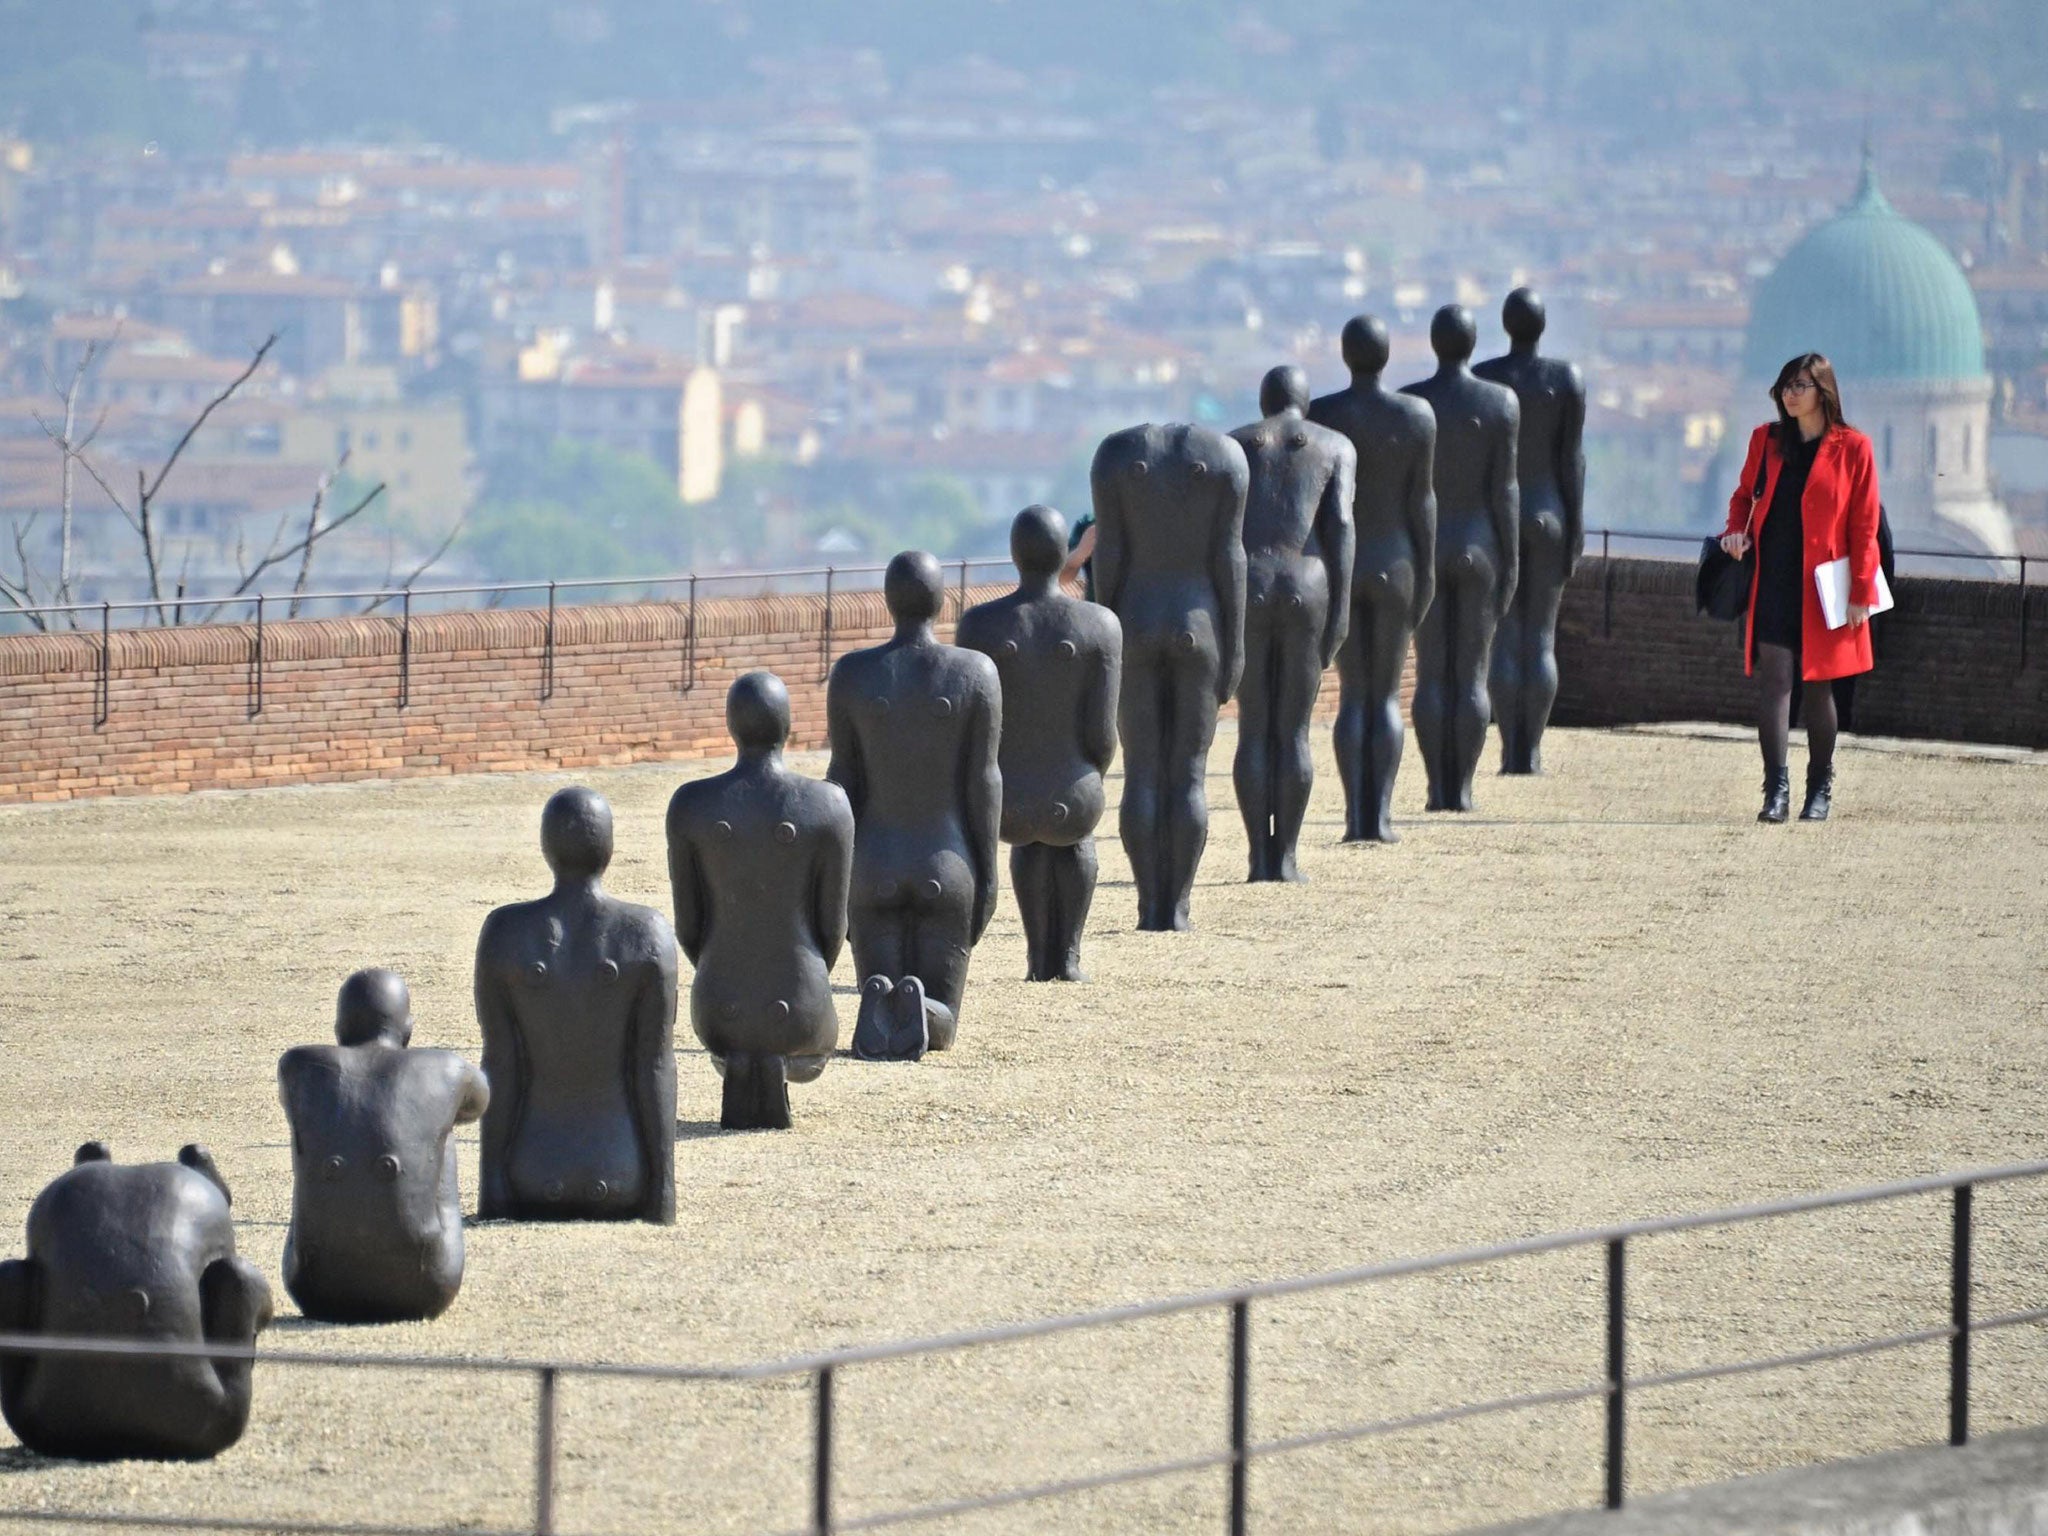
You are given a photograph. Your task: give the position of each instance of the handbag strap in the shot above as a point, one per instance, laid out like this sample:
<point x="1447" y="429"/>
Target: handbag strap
<point x="1756" y="496"/>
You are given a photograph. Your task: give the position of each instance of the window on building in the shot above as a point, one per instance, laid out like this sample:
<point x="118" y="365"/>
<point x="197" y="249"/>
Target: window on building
<point x="404" y="439"/>
<point x="1969" y="445"/>
<point x="1934" y="447"/>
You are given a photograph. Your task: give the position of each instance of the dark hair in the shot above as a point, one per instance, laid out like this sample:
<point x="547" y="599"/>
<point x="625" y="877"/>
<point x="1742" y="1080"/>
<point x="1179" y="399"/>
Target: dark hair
<point x="1816" y="367"/>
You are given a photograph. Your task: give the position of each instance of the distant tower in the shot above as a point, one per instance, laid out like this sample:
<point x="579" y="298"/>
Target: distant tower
<point x="1893" y="312"/>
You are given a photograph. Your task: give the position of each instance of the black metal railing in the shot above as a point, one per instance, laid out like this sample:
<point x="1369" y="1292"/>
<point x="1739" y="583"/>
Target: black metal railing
<point x="1614" y="1390"/>
<point x="552" y="594"/>
<point x="831" y="580"/>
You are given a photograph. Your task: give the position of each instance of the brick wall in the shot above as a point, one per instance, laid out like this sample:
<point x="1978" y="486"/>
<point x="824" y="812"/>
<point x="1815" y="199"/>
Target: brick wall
<point x="181" y="703"/>
<point x="1950" y="660"/>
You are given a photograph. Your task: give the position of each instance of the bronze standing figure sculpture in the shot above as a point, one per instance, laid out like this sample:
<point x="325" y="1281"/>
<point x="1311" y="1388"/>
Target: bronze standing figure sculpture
<point x="1478" y="543"/>
<point x="576" y="996"/>
<point x="758" y="863"/>
<point x="1170" y="564"/>
<point x="376" y="1231"/>
<point x="1298" y="554"/>
<point x="147" y="1252"/>
<point x="1551" y="472"/>
<point x="1393" y="577"/>
<point x="1060" y="662"/>
<point x="914" y="727"/>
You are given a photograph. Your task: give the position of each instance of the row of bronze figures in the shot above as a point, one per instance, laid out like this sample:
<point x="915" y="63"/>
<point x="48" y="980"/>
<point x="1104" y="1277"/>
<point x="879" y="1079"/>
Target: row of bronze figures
<point x="1244" y="564"/>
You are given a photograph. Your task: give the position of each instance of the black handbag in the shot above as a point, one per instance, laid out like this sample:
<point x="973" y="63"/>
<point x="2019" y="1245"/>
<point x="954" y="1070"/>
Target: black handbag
<point x="1724" y="583"/>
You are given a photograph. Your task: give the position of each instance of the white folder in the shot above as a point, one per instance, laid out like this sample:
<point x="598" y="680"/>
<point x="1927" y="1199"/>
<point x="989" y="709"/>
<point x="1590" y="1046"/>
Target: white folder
<point x="1831" y="578"/>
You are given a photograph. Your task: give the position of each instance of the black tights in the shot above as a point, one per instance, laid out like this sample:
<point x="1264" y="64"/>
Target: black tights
<point x="1777" y="668"/>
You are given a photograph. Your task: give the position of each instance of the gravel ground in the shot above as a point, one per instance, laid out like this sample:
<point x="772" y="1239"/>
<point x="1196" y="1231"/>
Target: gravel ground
<point x="1606" y="994"/>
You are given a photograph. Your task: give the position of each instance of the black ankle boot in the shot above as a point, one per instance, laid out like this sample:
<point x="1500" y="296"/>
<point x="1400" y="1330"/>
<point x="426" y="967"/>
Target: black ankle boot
<point x="1819" y="794"/>
<point x="1777" y="795"/>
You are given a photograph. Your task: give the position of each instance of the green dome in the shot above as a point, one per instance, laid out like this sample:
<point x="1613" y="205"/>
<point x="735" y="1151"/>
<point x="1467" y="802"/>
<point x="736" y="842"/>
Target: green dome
<point x="1876" y="293"/>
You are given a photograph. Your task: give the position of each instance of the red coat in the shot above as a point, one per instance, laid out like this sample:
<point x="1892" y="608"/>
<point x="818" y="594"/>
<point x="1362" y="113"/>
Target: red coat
<point x="1839" y="513"/>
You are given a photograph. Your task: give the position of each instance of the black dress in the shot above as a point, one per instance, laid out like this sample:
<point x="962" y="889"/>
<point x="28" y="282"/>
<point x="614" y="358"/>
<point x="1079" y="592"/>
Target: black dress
<point x="1781" y="553"/>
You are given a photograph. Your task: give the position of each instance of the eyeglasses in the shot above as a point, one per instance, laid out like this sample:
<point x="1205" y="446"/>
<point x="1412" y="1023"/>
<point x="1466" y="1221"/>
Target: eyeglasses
<point x="1799" y="387"/>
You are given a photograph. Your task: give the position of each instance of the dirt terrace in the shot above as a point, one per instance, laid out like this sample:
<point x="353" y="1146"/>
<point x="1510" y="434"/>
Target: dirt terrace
<point x="1607" y="994"/>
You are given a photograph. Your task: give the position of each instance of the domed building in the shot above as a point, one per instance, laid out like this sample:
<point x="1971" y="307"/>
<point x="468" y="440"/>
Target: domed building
<point x="1891" y="309"/>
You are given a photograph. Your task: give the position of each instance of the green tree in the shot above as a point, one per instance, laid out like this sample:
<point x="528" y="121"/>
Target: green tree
<point x="575" y="509"/>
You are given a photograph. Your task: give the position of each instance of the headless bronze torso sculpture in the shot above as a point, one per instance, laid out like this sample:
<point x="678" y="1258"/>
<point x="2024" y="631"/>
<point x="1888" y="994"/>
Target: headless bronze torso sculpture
<point x="576" y="996"/>
<point x="1298" y="553"/>
<point x="1393" y="578"/>
<point x="1551" y="473"/>
<point x="1478" y="544"/>
<point x="1170" y="564"/>
<point x="1060" y="661"/>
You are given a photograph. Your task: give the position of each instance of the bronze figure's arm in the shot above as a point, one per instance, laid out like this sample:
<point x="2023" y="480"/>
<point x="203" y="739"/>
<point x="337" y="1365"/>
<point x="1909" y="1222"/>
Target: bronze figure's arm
<point x="1506" y="503"/>
<point x="984" y="795"/>
<point x="686" y="885"/>
<point x="654" y="1081"/>
<point x="18" y="1309"/>
<point x="1111" y="559"/>
<point x="1099" y="699"/>
<point x="843" y="736"/>
<point x="1337" y="540"/>
<point x="1418" y="504"/>
<point x="832" y="882"/>
<point x="1571" y="469"/>
<point x="505" y="1065"/>
<point x="473" y="1095"/>
<point x="1227" y="572"/>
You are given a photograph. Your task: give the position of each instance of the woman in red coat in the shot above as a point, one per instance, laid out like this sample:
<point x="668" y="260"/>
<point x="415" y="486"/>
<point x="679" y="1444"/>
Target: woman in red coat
<point x="1818" y="502"/>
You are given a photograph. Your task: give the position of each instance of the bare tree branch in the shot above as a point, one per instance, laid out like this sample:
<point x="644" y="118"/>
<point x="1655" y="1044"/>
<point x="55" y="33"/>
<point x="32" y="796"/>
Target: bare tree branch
<point x="211" y="406"/>
<point x="312" y="526"/>
<point x="275" y="556"/>
<point x="425" y="565"/>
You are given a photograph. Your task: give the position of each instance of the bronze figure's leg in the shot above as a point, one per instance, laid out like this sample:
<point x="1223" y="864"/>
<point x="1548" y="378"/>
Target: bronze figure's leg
<point x="1142" y="723"/>
<point x="1073" y="886"/>
<point x="1254" y="772"/>
<point x="1031" y="880"/>
<point x="1434" y="686"/>
<point x="756" y="1096"/>
<point x="1300" y="677"/>
<point x="1471" y="638"/>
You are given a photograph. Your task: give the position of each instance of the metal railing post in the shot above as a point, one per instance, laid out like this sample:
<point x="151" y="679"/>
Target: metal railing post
<point x="547" y="651"/>
<point x="103" y="705"/>
<point x="690" y="641"/>
<point x="821" y="1465"/>
<point x="963" y="593"/>
<point x="1617" y="1372"/>
<point x="544" y="1457"/>
<point x="1240" y="1410"/>
<point x="2023" y="613"/>
<point x="1959" y="1319"/>
<point x="405" y="651"/>
<point x="1606" y="586"/>
<point x="825" y="636"/>
<point x="256" y="664"/>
